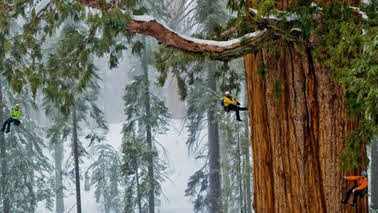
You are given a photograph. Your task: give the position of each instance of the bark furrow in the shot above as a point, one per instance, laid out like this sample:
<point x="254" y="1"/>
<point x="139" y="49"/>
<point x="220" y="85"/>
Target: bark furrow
<point x="297" y="138"/>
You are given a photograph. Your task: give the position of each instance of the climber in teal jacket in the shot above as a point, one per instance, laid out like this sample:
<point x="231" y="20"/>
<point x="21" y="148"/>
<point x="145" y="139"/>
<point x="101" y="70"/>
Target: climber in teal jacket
<point x="15" y="118"/>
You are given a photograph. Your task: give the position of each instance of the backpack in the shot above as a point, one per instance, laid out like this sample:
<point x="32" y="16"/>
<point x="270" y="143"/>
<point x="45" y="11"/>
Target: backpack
<point x="222" y="103"/>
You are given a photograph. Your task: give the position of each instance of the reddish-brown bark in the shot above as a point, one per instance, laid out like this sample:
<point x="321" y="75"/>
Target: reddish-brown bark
<point x="297" y="139"/>
<point x="171" y="39"/>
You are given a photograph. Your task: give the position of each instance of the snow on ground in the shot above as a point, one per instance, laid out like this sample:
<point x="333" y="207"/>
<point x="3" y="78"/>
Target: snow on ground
<point x="181" y="167"/>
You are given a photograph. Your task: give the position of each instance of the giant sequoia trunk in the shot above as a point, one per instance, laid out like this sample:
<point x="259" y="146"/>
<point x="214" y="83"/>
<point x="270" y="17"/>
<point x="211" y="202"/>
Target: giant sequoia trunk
<point x="297" y="138"/>
<point x="247" y="162"/>
<point x="374" y="174"/>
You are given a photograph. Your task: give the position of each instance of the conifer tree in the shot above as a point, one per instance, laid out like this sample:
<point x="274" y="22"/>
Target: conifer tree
<point x="200" y="97"/>
<point x="147" y="117"/>
<point x="25" y="165"/>
<point x="210" y="13"/>
<point x="75" y="94"/>
<point x="235" y="163"/>
<point x="105" y="175"/>
<point x="58" y="134"/>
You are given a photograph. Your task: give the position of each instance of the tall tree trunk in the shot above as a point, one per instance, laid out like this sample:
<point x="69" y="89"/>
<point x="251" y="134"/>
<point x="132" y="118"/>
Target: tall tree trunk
<point x="138" y="190"/>
<point x="59" y="195"/>
<point x="151" y="198"/>
<point x="4" y="159"/>
<point x="176" y="106"/>
<point x="247" y="173"/>
<point x="215" y="182"/>
<point x="247" y="162"/>
<point x="76" y="158"/>
<point x="240" y="178"/>
<point x="225" y="167"/>
<point x="31" y="194"/>
<point x="296" y="140"/>
<point x="374" y="174"/>
<point x="215" y="193"/>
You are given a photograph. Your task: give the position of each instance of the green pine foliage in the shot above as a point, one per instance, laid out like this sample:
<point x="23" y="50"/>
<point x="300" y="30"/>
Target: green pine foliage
<point x="211" y="14"/>
<point x="139" y="148"/>
<point x="238" y="5"/>
<point x="278" y="89"/>
<point x="234" y="164"/>
<point x="351" y="56"/>
<point x="183" y="66"/>
<point x="266" y="8"/>
<point x="73" y="84"/>
<point x="29" y="170"/>
<point x="261" y="70"/>
<point x="135" y="152"/>
<point x="27" y="59"/>
<point x="230" y="76"/>
<point x="200" y="97"/>
<point x="135" y="100"/>
<point x="189" y="70"/>
<point x="197" y="187"/>
<point x="105" y="175"/>
<point x="27" y="179"/>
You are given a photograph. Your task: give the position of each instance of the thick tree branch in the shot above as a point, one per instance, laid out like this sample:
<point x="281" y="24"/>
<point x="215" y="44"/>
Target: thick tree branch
<point x="218" y="50"/>
<point x="148" y="26"/>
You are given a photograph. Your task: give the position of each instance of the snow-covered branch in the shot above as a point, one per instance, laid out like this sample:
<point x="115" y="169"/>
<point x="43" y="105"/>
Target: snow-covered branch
<point x="223" y="50"/>
<point x="295" y="17"/>
<point x="147" y="25"/>
<point x="218" y="50"/>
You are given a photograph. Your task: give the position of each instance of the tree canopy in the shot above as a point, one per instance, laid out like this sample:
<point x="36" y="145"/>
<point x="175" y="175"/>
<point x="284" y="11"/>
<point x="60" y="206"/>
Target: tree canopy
<point x="29" y="54"/>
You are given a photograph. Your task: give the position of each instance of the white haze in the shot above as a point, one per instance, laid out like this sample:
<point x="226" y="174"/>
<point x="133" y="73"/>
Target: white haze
<point x="181" y="167"/>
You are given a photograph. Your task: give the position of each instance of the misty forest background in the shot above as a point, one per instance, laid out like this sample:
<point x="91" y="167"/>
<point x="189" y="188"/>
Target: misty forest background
<point x="112" y="131"/>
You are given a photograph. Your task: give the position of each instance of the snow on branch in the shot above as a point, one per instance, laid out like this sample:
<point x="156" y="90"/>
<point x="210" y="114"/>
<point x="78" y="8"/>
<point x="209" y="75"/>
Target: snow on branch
<point x="358" y="10"/>
<point x="223" y="50"/>
<point x="221" y="44"/>
<point x="295" y="17"/>
<point x="149" y="26"/>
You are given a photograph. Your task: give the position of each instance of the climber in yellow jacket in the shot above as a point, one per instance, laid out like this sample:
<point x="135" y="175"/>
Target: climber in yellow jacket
<point x="230" y="103"/>
<point x="15" y="118"/>
<point x="358" y="189"/>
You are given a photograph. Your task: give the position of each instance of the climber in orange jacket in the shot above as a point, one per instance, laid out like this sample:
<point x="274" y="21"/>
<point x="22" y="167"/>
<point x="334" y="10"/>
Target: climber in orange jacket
<point x="357" y="190"/>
